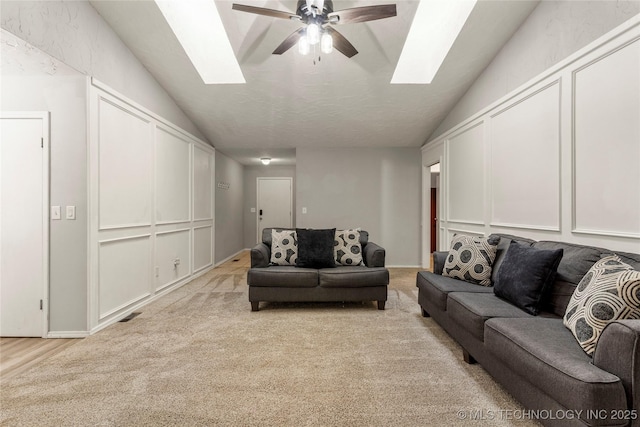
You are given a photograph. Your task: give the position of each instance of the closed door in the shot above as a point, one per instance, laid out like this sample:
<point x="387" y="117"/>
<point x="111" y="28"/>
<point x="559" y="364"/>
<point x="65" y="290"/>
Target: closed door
<point x="274" y="203"/>
<point x="23" y="226"/>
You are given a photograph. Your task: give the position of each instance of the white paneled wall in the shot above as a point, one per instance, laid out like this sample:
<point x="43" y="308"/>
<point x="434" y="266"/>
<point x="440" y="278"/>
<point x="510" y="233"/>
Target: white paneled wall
<point x="557" y="159"/>
<point x="151" y="207"/>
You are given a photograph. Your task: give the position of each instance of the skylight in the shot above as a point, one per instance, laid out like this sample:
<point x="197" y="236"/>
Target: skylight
<point x="199" y="29"/>
<point x="435" y="27"/>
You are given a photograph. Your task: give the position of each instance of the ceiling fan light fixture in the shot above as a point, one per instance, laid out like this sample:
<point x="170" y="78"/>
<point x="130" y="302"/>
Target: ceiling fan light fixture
<point x="313" y="33"/>
<point x="326" y="43"/>
<point x="265" y="160"/>
<point x="303" y="46"/>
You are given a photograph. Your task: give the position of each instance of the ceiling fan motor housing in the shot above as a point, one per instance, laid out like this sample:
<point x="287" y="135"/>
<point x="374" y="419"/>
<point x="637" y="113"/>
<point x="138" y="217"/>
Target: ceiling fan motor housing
<point x="313" y="16"/>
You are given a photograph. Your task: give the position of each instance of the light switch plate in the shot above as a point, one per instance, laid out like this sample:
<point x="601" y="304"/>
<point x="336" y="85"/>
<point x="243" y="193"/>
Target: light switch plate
<point x="253" y="210"/>
<point x="304" y="210"/>
<point x="71" y="212"/>
<point x="55" y="212"/>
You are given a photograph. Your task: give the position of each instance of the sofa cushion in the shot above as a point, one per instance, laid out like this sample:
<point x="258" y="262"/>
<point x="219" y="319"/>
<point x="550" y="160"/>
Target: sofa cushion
<point x="471" y="310"/>
<point x="353" y="277"/>
<point x="284" y="247"/>
<point x="315" y="248"/>
<point x="283" y="276"/>
<point x="470" y="258"/>
<point x="609" y="291"/>
<point x="347" y="249"/>
<point x="576" y="261"/>
<point x="436" y="288"/>
<point x="544" y="352"/>
<point x="525" y="274"/>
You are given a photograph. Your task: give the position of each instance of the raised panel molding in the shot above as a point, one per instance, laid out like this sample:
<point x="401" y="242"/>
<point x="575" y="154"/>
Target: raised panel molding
<point x="465" y="174"/>
<point x="202" y="244"/>
<point x="202" y="185"/>
<point x="525" y="162"/>
<point x="123" y="273"/>
<point x="606" y="144"/>
<point x="173" y="257"/>
<point x="172" y="177"/>
<point x="124" y="170"/>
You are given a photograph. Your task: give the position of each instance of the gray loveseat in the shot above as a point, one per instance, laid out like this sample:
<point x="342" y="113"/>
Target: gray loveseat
<point x="536" y="358"/>
<point x="275" y="283"/>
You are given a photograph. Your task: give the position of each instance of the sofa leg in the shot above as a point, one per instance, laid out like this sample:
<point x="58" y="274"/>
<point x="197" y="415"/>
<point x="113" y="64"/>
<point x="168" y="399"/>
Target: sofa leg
<point x="381" y="305"/>
<point x="254" y="305"/>
<point x="425" y="313"/>
<point x="468" y="358"/>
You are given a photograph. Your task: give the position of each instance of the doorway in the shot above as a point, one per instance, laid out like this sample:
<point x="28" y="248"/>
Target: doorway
<point x="24" y="224"/>
<point x="274" y="204"/>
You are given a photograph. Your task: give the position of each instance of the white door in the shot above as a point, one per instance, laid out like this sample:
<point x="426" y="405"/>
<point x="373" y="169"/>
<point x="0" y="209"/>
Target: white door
<point x="23" y="225"/>
<point x="274" y="203"/>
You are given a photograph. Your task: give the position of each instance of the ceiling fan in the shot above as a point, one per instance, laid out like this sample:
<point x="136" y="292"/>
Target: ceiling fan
<point x="319" y="17"/>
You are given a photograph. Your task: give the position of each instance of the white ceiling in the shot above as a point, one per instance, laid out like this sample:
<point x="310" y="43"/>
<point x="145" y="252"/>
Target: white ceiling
<point x="289" y="102"/>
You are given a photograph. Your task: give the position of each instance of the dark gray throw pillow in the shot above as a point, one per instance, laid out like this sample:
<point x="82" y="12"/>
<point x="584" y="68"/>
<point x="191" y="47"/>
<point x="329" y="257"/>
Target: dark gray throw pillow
<point x="525" y="275"/>
<point x="315" y="248"/>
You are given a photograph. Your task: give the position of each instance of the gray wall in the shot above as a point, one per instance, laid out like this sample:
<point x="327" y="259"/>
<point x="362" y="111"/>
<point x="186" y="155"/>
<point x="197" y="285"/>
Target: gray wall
<point x="76" y="34"/>
<point x="229" y="205"/>
<point x="376" y="189"/>
<point x="553" y="31"/>
<point x="251" y="173"/>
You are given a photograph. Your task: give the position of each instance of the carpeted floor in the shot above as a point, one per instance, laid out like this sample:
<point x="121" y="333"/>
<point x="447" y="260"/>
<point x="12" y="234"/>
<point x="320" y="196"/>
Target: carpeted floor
<point x="200" y="357"/>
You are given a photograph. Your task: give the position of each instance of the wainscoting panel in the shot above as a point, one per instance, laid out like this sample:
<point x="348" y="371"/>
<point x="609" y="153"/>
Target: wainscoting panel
<point x="607" y="144"/>
<point x="525" y="162"/>
<point x="173" y="257"/>
<point x="465" y="175"/>
<point x="202" y="244"/>
<point x="561" y="153"/>
<point x="125" y="153"/>
<point x="172" y="177"/>
<point x="202" y="184"/>
<point x="125" y="267"/>
<point x="146" y="179"/>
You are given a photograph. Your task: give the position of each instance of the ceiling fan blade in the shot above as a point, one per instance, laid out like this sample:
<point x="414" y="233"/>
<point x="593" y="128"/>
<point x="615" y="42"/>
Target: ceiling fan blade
<point x="362" y="14"/>
<point x="341" y="44"/>
<point x="289" y="42"/>
<point x="264" y="11"/>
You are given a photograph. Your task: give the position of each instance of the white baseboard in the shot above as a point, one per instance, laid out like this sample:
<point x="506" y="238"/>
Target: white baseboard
<point x="230" y="257"/>
<point x="403" y="266"/>
<point x="68" y="334"/>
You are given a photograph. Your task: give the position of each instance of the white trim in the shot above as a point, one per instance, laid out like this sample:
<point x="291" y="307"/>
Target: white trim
<point x="525" y="226"/>
<point x="46" y="212"/>
<point x="267" y="178"/>
<point x="217" y="264"/>
<point x="68" y="334"/>
<point x="404" y="266"/>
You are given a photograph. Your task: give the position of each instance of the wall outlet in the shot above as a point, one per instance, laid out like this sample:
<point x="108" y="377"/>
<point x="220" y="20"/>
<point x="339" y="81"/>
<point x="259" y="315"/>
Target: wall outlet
<point x="304" y="210"/>
<point x="157" y="271"/>
<point x="176" y="262"/>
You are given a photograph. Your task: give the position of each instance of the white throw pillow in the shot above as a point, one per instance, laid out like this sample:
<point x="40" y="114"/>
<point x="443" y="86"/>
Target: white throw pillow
<point x="347" y="249"/>
<point x="284" y="247"/>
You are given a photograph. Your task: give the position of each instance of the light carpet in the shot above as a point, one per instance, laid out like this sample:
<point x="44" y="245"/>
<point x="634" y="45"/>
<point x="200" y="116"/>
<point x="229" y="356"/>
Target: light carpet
<point x="199" y="357"/>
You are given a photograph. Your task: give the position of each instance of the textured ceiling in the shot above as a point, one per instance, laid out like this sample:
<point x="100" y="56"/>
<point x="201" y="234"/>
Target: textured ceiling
<point x="289" y="102"/>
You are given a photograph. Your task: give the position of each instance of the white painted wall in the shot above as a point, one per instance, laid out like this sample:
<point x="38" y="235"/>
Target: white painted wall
<point x="33" y="81"/>
<point x="558" y="156"/>
<point x="553" y="31"/>
<point x="229" y="207"/>
<point x="74" y="33"/>
<point x="251" y="173"/>
<point x="377" y="189"/>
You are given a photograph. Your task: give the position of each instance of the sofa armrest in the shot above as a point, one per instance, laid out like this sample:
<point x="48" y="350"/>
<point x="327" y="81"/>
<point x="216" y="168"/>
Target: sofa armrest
<point x="260" y="256"/>
<point x="618" y="352"/>
<point x="439" y="258"/>
<point x="374" y="255"/>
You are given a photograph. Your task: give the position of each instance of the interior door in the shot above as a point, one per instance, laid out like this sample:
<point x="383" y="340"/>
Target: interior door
<point x="434" y="219"/>
<point x="274" y="203"/>
<point x="23" y="226"/>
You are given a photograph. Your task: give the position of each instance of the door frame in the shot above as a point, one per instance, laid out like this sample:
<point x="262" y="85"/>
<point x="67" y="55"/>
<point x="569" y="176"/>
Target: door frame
<point x="431" y="155"/>
<point x="268" y="178"/>
<point x="44" y="116"/>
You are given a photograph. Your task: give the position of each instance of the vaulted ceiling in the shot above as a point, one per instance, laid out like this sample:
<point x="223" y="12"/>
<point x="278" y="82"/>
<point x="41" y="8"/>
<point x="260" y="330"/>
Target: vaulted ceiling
<point x="289" y="102"/>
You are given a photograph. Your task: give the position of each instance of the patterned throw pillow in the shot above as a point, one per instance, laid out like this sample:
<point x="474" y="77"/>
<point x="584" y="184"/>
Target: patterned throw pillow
<point x="609" y="291"/>
<point x="347" y="248"/>
<point x="284" y="247"/>
<point x="471" y="258"/>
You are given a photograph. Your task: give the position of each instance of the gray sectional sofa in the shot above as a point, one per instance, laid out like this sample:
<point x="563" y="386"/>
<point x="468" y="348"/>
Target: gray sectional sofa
<point x="536" y="358"/>
<point x="275" y="283"/>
